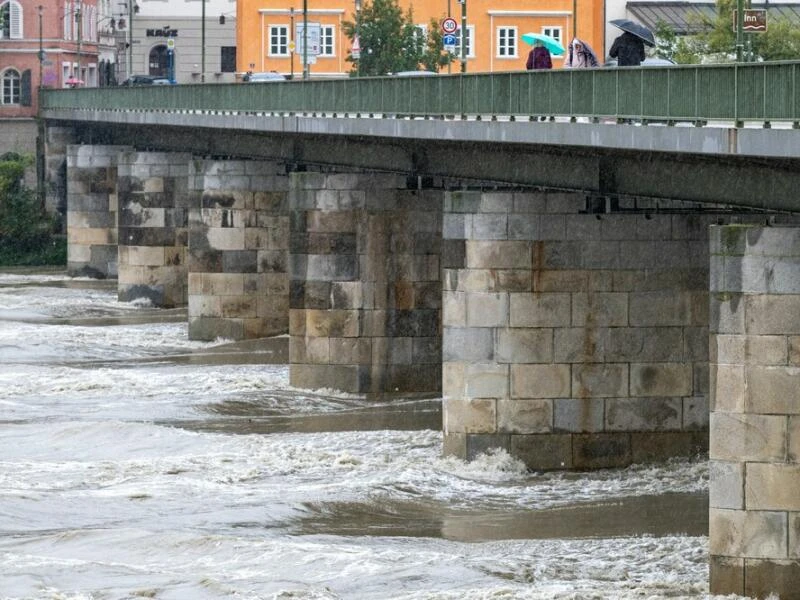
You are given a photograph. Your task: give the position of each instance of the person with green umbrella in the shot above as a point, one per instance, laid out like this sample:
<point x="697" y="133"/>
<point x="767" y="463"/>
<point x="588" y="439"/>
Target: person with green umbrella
<point x="539" y="57"/>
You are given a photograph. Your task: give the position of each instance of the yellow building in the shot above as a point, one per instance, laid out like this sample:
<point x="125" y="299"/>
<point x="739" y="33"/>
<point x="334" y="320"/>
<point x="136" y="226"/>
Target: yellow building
<point x="267" y="35"/>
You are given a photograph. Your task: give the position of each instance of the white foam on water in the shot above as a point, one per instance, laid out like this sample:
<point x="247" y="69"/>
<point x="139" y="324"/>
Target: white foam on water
<point x="103" y="497"/>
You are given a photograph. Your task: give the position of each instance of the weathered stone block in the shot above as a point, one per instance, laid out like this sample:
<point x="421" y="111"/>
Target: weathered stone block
<point x="525" y="416"/>
<point x="467" y="344"/>
<point x="476" y="415"/>
<point x="772" y="314"/>
<point x="599" y="380"/>
<point x="751" y="534"/>
<point x="487" y="310"/>
<point x="601" y="450"/>
<point x="498" y="254"/>
<point x="540" y="381"/>
<point x="643" y="414"/>
<point x="726" y="575"/>
<point x="540" y="310"/>
<point x="659" y="446"/>
<point x="661" y="379"/>
<point x="727" y="390"/>
<point x="600" y="309"/>
<point x="544" y="452"/>
<point x="726" y="484"/>
<point x="524" y="345"/>
<point x="773" y="390"/>
<point x="770" y="486"/>
<point x="578" y="415"/>
<point x="741" y="437"/>
<point x="772" y="577"/>
<point x="695" y="413"/>
<point x="486" y="380"/>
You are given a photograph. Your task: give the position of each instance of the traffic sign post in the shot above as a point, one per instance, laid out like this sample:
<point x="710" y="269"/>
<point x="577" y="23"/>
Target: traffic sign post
<point x="449" y="26"/>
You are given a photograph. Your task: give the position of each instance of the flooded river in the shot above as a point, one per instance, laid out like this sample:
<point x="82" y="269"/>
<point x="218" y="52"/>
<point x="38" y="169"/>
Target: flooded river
<point x="138" y="464"/>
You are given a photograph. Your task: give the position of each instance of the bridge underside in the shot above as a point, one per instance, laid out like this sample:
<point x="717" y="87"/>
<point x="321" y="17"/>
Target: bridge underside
<point x="560" y="300"/>
<point x="722" y="179"/>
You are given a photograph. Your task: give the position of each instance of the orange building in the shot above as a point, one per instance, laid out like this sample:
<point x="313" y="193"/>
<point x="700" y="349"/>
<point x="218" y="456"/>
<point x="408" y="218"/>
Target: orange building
<point x="267" y="35"/>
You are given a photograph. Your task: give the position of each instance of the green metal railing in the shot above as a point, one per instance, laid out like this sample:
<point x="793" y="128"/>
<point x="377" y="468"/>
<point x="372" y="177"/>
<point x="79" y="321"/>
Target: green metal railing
<point x="732" y="92"/>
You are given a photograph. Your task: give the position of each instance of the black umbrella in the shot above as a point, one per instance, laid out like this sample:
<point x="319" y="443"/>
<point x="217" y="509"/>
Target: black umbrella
<point x="636" y="29"/>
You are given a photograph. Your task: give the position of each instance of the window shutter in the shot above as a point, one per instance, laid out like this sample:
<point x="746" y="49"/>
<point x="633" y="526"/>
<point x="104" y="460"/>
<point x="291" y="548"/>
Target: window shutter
<point x="16" y="21"/>
<point x="25" y="90"/>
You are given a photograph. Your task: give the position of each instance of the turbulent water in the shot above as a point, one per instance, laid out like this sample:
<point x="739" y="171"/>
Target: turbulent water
<point x="135" y="463"/>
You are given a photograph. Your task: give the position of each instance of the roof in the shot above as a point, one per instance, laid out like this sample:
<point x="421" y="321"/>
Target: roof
<point x="689" y="17"/>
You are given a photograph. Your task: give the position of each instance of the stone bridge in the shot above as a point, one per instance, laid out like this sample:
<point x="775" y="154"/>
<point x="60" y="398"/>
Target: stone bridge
<point x="577" y="318"/>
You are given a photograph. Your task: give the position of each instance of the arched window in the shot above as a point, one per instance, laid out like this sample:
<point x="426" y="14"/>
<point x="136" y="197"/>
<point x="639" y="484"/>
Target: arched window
<point x="10" y="20"/>
<point x="11" y="87"/>
<point x="159" y="61"/>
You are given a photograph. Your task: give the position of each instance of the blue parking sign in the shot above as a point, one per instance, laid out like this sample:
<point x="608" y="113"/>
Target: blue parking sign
<point x="449" y="40"/>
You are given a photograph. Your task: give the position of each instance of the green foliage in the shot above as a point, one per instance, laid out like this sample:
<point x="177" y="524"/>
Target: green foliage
<point x="26" y="233"/>
<point x="716" y="41"/>
<point x="390" y="42"/>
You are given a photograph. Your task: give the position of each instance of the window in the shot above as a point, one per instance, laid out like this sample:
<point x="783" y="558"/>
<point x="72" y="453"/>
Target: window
<point x="326" y="41"/>
<point x="227" y="59"/>
<point x="507" y="42"/>
<point x="11" y="87"/>
<point x="11" y="20"/>
<point x="553" y="32"/>
<point x="470" y="47"/>
<point x="67" y="20"/>
<point x="278" y="40"/>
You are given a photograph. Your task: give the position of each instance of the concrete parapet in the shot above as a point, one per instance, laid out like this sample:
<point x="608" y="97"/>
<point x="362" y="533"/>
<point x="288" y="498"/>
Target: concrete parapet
<point x="92" y="207"/>
<point x="152" y="192"/>
<point x="572" y="340"/>
<point x="238" y="249"/>
<point x="365" y="285"/>
<point x="754" y="525"/>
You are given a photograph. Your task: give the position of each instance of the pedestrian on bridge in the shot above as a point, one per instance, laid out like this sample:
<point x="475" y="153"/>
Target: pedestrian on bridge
<point x="628" y="49"/>
<point x="580" y="56"/>
<point x="539" y="57"/>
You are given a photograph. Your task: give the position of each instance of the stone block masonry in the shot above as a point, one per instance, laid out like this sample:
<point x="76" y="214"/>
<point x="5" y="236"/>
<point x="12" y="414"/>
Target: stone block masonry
<point x="92" y="207"/>
<point x="238" y="249"/>
<point x="152" y="191"/>
<point x="754" y="519"/>
<point x="365" y="285"/>
<point x="573" y="340"/>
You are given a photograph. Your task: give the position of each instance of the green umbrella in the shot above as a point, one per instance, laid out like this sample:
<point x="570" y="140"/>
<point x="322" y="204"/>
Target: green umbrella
<point x="550" y="43"/>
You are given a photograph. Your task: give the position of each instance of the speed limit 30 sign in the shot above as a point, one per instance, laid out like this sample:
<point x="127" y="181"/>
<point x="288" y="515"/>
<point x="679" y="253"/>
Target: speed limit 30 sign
<point x="449" y="25"/>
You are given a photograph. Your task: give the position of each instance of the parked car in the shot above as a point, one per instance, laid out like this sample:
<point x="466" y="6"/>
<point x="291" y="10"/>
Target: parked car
<point x="413" y="74"/>
<point x="647" y="62"/>
<point x="146" y="80"/>
<point x="263" y="77"/>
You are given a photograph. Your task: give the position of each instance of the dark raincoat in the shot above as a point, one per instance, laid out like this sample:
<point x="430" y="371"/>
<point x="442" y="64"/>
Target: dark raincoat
<point x="539" y="58"/>
<point x="628" y="50"/>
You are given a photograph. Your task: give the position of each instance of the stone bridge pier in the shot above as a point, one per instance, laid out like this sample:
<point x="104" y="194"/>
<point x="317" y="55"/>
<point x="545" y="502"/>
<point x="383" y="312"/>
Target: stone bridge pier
<point x="574" y="340"/>
<point x="238" y="249"/>
<point x="754" y="529"/>
<point x="365" y="293"/>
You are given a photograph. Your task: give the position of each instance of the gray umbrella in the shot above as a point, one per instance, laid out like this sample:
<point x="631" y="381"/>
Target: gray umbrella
<point x="636" y="29"/>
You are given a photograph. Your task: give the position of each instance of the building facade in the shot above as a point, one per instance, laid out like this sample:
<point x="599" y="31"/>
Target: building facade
<point x="192" y="41"/>
<point x="268" y="39"/>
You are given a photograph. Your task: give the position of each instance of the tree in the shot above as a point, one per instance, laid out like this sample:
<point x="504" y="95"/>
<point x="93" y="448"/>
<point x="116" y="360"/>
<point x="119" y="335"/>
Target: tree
<point x="390" y="42"/>
<point x="717" y="40"/>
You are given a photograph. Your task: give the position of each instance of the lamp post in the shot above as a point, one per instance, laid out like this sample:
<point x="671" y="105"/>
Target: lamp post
<point x="131" y="10"/>
<point x="203" y="42"/>
<point x="463" y="36"/>
<point x="291" y="42"/>
<point x="79" y="21"/>
<point x="357" y="6"/>
<point x="41" y="46"/>
<point x="739" y="30"/>
<point x="305" y="39"/>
